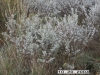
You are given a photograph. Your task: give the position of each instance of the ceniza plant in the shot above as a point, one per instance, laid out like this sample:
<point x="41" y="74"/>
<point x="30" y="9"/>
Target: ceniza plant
<point x="58" y="36"/>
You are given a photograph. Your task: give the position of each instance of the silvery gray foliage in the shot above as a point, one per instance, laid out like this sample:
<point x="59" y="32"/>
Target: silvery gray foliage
<point x="46" y="36"/>
<point x="34" y="36"/>
<point x="58" y="7"/>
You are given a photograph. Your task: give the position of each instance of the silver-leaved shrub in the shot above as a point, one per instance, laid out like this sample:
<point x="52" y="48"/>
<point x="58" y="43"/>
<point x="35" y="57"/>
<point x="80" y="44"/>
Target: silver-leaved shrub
<point x="46" y="36"/>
